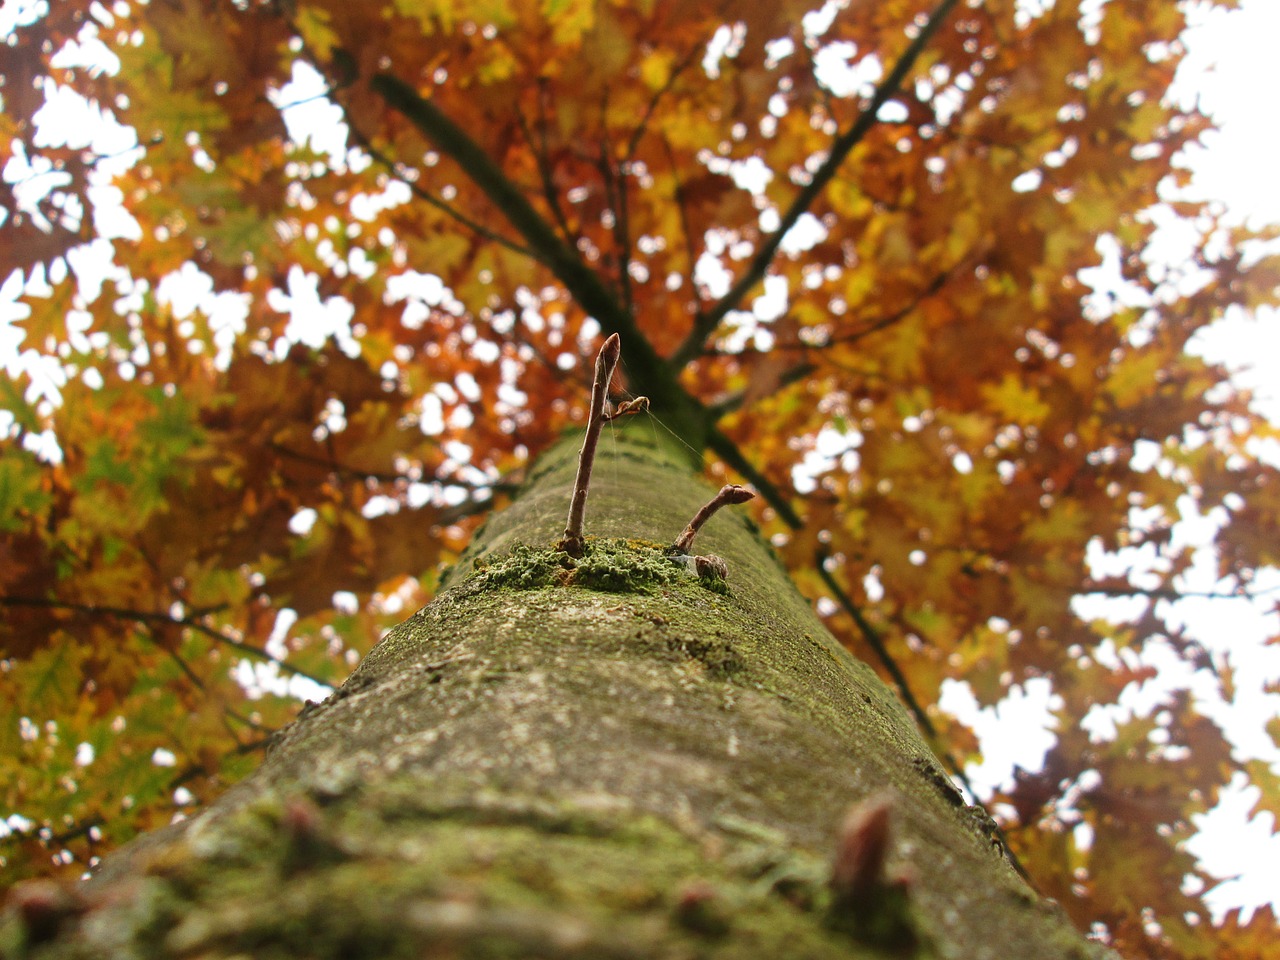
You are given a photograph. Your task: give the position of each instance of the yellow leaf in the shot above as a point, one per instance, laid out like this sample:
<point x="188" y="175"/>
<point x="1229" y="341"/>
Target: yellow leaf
<point x="314" y="27"/>
<point x="1015" y="402"/>
<point x="655" y="68"/>
<point x="570" y="19"/>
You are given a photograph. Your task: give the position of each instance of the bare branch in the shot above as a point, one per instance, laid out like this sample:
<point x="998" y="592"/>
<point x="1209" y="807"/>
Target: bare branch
<point x="785" y="379"/>
<point x="802" y="370"/>
<point x="643" y="126"/>
<point x="332" y="465"/>
<point x="395" y="168"/>
<point x="615" y="191"/>
<point x="392" y="166"/>
<point x="1169" y="593"/>
<point x="882" y="323"/>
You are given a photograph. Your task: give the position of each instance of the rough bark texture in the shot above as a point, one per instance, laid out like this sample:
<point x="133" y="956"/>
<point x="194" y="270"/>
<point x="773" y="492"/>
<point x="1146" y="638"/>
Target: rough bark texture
<point x="597" y="758"/>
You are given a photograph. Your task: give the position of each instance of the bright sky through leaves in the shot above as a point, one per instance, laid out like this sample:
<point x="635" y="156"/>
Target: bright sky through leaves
<point x="1230" y="70"/>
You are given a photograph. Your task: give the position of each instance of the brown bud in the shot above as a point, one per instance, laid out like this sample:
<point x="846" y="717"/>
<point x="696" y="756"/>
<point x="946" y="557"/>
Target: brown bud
<point x="861" y="850"/>
<point x="310" y="842"/>
<point x="301" y="819"/>
<point x="628" y="407"/>
<point x="711" y="567"/>
<point x="867" y="903"/>
<point x="701" y="910"/>
<point x="43" y="907"/>
<point x="608" y="356"/>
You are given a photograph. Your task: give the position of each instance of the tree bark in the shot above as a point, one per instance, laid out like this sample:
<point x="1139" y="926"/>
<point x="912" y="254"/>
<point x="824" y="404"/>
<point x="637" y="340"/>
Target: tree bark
<point x="606" y="757"/>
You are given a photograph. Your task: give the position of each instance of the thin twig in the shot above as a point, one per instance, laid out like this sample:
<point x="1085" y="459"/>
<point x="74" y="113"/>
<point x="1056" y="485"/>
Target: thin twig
<point x="622" y="232"/>
<point x="192" y="677"/>
<point x="339" y="469"/>
<point x="642" y="127"/>
<point x="801" y="370"/>
<point x="616" y="202"/>
<point x="392" y="166"/>
<point x="606" y="360"/>
<point x="853" y="336"/>
<point x="736" y="400"/>
<point x="1171" y="594"/>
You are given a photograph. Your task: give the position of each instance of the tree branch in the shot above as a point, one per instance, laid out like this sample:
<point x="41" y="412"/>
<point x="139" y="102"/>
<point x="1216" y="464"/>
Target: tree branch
<point x="1170" y="593"/>
<point x="192" y="677"/>
<point x="728" y="451"/>
<point x="655" y="376"/>
<point x="707" y="320"/>
<point x="453" y="141"/>
<point x="735" y="401"/>
<point x="642" y="127"/>
<point x="682" y="208"/>
<point x="144" y="616"/>
<point x="874" y="326"/>
<point x="394" y="167"/>
<point x="801" y="370"/>
<point x="83" y="828"/>
<point x="543" y="158"/>
<point x="615" y="191"/>
<point x="333" y="466"/>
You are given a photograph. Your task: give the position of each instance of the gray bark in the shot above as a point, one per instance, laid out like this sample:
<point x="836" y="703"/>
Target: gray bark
<point x="607" y="759"/>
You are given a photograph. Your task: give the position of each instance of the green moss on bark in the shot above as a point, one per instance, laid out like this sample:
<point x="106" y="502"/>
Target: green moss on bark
<point x="609" y="565"/>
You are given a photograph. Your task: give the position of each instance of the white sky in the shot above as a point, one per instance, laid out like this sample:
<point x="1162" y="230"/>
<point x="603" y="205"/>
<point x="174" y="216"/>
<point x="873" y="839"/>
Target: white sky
<point x="1234" y="71"/>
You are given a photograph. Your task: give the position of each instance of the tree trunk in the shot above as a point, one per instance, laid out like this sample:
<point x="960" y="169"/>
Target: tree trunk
<point x="608" y="759"/>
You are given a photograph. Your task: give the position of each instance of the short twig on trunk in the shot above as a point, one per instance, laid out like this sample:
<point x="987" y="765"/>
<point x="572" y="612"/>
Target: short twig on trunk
<point x="729" y="493"/>
<point x="606" y="360"/>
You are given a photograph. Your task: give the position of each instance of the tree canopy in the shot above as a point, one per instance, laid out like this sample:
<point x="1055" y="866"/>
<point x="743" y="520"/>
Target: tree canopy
<point x="275" y="371"/>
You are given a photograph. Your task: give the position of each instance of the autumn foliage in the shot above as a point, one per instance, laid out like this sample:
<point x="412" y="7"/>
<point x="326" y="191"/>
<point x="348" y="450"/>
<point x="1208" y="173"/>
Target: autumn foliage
<point x="273" y="371"/>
